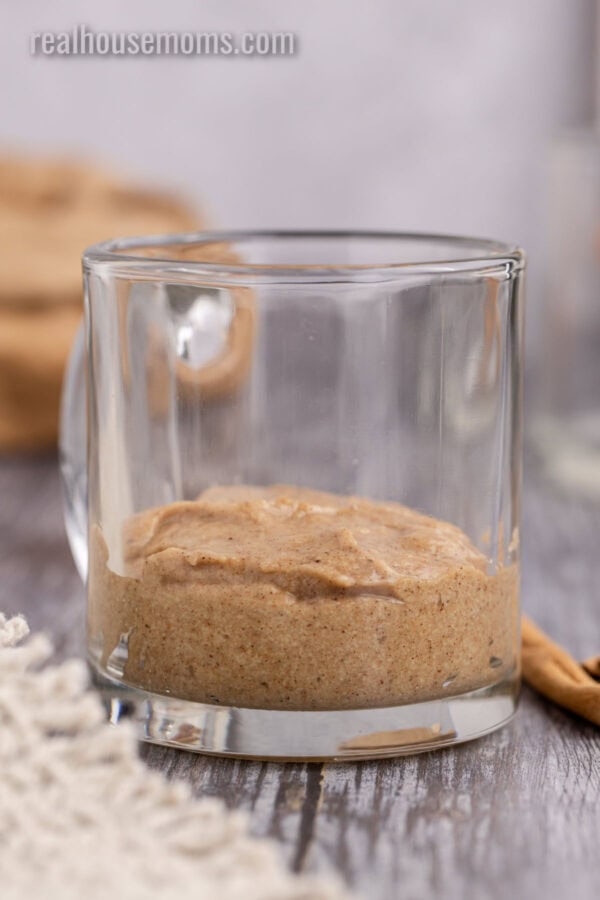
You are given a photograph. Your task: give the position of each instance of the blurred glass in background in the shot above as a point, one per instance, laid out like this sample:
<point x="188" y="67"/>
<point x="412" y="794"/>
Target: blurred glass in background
<point x="566" y="424"/>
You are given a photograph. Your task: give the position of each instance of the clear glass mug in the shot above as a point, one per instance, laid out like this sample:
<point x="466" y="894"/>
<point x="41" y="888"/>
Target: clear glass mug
<point x="300" y="503"/>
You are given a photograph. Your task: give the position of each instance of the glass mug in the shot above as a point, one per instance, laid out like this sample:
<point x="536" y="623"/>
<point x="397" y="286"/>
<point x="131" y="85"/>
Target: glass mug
<point x="298" y="518"/>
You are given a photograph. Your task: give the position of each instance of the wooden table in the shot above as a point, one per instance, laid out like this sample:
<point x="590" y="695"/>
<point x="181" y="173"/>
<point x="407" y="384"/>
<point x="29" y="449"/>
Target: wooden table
<point x="514" y="815"/>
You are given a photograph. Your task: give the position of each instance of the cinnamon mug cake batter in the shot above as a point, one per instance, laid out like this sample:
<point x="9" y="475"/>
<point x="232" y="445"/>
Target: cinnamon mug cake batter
<point x="289" y="598"/>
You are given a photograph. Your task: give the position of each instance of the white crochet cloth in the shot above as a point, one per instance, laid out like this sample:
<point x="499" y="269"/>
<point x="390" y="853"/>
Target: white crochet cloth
<point x="81" y="816"/>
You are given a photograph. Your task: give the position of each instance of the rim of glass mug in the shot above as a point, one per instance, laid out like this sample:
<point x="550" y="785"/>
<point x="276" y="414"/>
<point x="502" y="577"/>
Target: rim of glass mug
<point x="458" y="255"/>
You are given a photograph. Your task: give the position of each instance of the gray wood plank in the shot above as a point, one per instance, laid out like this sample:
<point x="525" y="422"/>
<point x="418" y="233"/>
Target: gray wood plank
<point x="37" y="575"/>
<point x="516" y="814"/>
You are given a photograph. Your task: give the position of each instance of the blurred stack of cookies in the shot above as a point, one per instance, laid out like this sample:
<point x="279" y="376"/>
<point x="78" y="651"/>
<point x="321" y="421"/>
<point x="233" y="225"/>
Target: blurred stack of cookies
<point x="49" y="213"/>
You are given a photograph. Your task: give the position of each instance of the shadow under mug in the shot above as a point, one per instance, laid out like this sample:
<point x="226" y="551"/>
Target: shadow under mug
<point x="295" y="494"/>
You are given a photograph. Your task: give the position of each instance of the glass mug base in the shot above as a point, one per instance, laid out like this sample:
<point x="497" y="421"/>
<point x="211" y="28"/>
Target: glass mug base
<point x="335" y="735"/>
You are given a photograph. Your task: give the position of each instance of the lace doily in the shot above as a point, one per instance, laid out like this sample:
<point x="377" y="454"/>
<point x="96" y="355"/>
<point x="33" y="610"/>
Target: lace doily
<point x="81" y="816"/>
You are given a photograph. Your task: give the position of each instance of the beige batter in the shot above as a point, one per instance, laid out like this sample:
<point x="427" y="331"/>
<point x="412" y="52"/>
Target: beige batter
<point x="289" y="598"/>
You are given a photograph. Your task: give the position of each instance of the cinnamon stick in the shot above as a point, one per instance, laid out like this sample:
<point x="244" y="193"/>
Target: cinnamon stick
<point x="555" y="674"/>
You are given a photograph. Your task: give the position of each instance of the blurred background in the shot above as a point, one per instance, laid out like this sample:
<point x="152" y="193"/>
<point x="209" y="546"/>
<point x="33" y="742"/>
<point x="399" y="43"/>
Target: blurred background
<point x="418" y="116"/>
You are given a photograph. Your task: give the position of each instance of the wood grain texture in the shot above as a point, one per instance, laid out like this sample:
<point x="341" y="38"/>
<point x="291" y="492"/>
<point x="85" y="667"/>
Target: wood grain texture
<point x="514" y="815"/>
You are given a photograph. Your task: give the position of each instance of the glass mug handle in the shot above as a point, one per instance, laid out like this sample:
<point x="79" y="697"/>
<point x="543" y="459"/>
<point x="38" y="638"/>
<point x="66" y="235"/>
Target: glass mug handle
<point x="72" y="453"/>
<point x="196" y="322"/>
